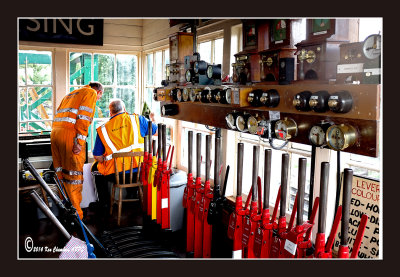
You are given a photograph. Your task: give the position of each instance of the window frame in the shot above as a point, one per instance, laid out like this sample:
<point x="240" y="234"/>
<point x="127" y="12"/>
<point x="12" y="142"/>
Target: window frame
<point x="53" y="85"/>
<point x="211" y="37"/>
<point x="93" y="52"/>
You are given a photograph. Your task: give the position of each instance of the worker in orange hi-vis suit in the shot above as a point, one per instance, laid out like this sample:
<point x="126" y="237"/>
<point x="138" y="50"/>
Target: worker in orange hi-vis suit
<point x="69" y="131"/>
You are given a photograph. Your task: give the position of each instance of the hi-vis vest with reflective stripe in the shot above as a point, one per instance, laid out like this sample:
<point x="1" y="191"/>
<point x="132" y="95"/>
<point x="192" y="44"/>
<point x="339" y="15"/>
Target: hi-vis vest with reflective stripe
<point x="120" y="134"/>
<point x="76" y="111"/>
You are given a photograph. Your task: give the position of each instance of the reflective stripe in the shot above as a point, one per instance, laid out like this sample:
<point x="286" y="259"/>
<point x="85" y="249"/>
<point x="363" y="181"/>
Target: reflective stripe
<point x="67" y="119"/>
<point x="82" y="137"/>
<point x="73" y="182"/>
<point x="58" y="169"/>
<point x="108" y="140"/>
<point x="96" y="173"/>
<point x="85" y="117"/>
<point x="71" y="110"/>
<point x="87" y="109"/>
<point x="72" y="172"/>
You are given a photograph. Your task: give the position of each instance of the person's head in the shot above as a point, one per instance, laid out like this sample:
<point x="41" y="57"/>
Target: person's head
<point x="98" y="87"/>
<point x="116" y="106"/>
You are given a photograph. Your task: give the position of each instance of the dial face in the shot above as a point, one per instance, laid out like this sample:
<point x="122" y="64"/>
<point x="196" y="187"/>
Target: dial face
<point x="335" y="138"/>
<point x="230" y="120"/>
<point x="179" y="95"/>
<point x="167" y="71"/>
<point x="240" y="123"/>
<point x="188" y="75"/>
<point x="283" y="64"/>
<point x="372" y="47"/>
<point x="210" y="71"/>
<point x="317" y="135"/>
<point x="281" y="129"/>
<point x="252" y="125"/>
<point x="185" y="94"/>
<point x="192" y="95"/>
<point x="163" y="110"/>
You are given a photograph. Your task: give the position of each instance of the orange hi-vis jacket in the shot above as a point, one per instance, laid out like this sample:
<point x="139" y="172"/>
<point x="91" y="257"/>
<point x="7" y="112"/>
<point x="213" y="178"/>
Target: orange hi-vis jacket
<point x="120" y="134"/>
<point x="71" y="123"/>
<point x="76" y="111"/>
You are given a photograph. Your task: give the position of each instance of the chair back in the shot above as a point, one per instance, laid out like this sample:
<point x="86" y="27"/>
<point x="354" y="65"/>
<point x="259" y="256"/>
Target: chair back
<point x="127" y="157"/>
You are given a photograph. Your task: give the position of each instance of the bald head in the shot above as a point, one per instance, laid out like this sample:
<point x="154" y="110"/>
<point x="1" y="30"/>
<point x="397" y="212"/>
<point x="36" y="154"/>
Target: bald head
<point x="116" y="106"/>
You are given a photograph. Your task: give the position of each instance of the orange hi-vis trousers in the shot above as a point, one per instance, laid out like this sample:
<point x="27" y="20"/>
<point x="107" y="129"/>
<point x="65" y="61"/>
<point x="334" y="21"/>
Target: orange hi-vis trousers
<point x="68" y="166"/>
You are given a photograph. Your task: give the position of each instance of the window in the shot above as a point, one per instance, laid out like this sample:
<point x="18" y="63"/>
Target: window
<point x="35" y="88"/>
<point x="154" y="74"/>
<point x="117" y="73"/>
<point x="236" y="43"/>
<point x="211" y="51"/>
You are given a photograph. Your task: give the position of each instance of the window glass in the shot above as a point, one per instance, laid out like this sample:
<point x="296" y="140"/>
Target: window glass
<point x="104" y="68"/>
<point x="218" y="51"/>
<point x="102" y="110"/>
<point x="126" y="70"/>
<point x="80" y="68"/>
<point x="205" y="51"/>
<point x="150" y="69"/>
<point x="158" y="69"/>
<point x="128" y="96"/>
<point x="38" y="67"/>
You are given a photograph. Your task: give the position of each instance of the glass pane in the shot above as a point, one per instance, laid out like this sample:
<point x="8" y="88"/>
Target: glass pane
<point x="126" y="70"/>
<point x="23" y="104"/>
<point x="149" y="69"/>
<point x="104" y="69"/>
<point x="158" y="69"/>
<point x="102" y="110"/>
<point x="166" y="55"/>
<point x="40" y="105"/>
<point x="35" y="126"/>
<point x="80" y="68"/>
<point x="38" y="66"/>
<point x="21" y="74"/>
<point x="128" y="96"/>
<point x="205" y="51"/>
<point x="73" y="88"/>
<point x="218" y="51"/>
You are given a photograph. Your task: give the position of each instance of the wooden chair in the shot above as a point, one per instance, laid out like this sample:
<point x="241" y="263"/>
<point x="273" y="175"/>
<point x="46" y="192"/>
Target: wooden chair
<point x="130" y="184"/>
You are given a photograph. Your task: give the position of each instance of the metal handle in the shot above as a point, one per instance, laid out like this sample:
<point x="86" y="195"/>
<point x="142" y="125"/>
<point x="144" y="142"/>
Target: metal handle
<point x="347" y="181"/>
<point x="146" y="145"/>
<point x="239" y="169"/>
<point x="256" y="154"/>
<point x="267" y="176"/>
<point x="198" y="155"/>
<point x="301" y="188"/>
<point x="284" y="183"/>
<point x="225" y="181"/>
<point x="159" y="140"/>
<point x="208" y="157"/>
<point x="164" y="142"/>
<point x="323" y="194"/>
<point x="49" y="213"/>
<point x="217" y="162"/>
<point x="190" y="151"/>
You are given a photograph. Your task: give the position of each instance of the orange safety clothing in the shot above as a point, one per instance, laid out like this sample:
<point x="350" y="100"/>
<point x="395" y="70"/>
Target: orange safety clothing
<point x="71" y="123"/>
<point x="120" y="134"/>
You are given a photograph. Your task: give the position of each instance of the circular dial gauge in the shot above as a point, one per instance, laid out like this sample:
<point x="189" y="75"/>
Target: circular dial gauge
<point x="285" y="129"/>
<point x="340" y="137"/>
<point x="167" y="73"/>
<point x="372" y="47"/>
<point x="193" y="95"/>
<point x="252" y="125"/>
<point x="269" y="61"/>
<point x="185" y="94"/>
<point x="228" y="95"/>
<point x="163" y="110"/>
<point x="210" y="71"/>
<point x="188" y="75"/>
<point x="179" y="95"/>
<point x="241" y="122"/>
<point x="230" y="121"/>
<point x="317" y="135"/>
<point x="196" y="67"/>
